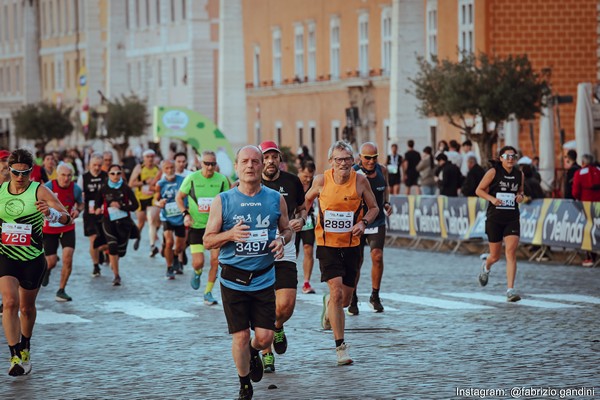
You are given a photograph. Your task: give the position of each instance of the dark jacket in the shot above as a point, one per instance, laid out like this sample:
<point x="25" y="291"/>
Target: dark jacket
<point x="474" y="176"/>
<point x="569" y="181"/>
<point x="450" y="179"/>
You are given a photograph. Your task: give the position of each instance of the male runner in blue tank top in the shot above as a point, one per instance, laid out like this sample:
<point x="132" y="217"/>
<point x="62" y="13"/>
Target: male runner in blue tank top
<point x="243" y="223"/>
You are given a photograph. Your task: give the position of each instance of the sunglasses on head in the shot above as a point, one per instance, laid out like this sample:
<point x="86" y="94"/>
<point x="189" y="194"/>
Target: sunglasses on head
<point x="209" y="164"/>
<point x="370" y="157"/>
<point x="17" y="172"/>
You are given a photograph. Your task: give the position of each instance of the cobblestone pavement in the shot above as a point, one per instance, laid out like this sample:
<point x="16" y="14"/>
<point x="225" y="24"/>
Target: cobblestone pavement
<point x="440" y="336"/>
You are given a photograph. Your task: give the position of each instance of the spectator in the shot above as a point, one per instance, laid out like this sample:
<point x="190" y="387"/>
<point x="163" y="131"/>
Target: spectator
<point x="586" y="187"/>
<point x="454" y="154"/>
<point x="531" y="186"/>
<point x="129" y="162"/>
<point x="394" y="161"/>
<point x="426" y="170"/>
<point x="467" y="151"/>
<point x="449" y="177"/>
<point x="474" y="176"/>
<point x="442" y="147"/>
<point x="570" y="162"/>
<point x="409" y="166"/>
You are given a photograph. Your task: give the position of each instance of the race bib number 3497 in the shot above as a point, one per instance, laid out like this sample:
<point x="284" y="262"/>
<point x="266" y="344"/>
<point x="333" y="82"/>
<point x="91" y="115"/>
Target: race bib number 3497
<point x="16" y="234"/>
<point x="338" y="221"/>
<point x="255" y="245"/>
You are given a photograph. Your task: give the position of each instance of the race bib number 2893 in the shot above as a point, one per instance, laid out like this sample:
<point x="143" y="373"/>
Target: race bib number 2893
<point x="338" y="221"/>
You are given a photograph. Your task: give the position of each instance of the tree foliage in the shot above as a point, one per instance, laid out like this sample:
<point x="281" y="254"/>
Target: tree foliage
<point x="479" y="91"/>
<point x="42" y="122"/>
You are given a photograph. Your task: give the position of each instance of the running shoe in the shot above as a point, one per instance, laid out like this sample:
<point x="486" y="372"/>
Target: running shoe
<point x="306" y="288"/>
<point x="46" y="278"/>
<point x="26" y="361"/>
<point x="177" y="266"/>
<point x="256" y="367"/>
<point x="280" y="342"/>
<point x="117" y="281"/>
<point x="153" y="251"/>
<point x="96" y="272"/>
<point x="512" y="296"/>
<point x="246" y="393"/>
<point x="343" y="358"/>
<point x="209" y="300"/>
<point x="587" y="263"/>
<point x="484" y="275"/>
<point x="170" y="275"/>
<point x="16" y="366"/>
<point x="353" y="307"/>
<point x="62" y="296"/>
<point x="375" y="303"/>
<point x="325" y="324"/>
<point x="136" y="244"/>
<point x="269" y="362"/>
<point x="195" y="281"/>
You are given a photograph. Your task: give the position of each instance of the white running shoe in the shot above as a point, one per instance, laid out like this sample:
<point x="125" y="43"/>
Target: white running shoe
<point x="343" y="358"/>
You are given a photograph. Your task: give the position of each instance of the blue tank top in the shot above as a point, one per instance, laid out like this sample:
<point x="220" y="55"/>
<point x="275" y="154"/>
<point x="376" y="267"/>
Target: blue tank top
<point x="261" y="213"/>
<point x="168" y="190"/>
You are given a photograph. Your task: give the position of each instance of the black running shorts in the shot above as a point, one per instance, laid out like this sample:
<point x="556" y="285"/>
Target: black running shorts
<point x="51" y="241"/>
<point x="286" y="275"/>
<point x="374" y="240"/>
<point x="245" y="310"/>
<point x="29" y="273"/>
<point x="344" y="262"/>
<point x="179" y="230"/>
<point x="496" y="231"/>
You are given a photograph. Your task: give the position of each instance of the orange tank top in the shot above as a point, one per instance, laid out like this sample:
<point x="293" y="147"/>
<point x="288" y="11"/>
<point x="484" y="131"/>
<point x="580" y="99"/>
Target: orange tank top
<point x="340" y="208"/>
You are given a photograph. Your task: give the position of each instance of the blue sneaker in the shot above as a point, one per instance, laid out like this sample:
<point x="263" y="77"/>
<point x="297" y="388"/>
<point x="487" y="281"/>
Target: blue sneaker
<point x="170" y="275"/>
<point x="209" y="300"/>
<point x="195" y="281"/>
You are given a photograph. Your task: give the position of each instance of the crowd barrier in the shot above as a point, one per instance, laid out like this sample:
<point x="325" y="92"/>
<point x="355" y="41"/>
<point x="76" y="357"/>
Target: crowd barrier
<point x="544" y="222"/>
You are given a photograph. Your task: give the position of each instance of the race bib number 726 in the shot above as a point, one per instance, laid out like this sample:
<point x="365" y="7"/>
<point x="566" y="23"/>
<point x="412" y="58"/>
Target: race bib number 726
<point x="16" y="234"/>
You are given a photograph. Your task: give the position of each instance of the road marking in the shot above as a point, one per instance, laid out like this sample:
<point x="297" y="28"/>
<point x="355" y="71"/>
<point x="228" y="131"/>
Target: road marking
<point x="363" y="306"/>
<point x="432" y="302"/>
<point x="502" y="299"/>
<point x="144" y="311"/>
<point x="47" y="317"/>
<point x="576" y="298"/>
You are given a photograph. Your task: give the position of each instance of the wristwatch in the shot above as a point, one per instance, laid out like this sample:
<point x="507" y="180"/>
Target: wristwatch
<point x="365" y="221"/>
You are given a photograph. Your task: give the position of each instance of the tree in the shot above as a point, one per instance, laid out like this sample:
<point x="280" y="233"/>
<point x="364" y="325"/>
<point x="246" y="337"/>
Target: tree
<point x="42" y="122"/>
<point x="479" y="90"/>
<point x="124" y="118"/>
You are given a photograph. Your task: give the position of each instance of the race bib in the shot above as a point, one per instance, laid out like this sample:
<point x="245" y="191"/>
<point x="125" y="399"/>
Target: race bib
<point x="171" y="210"/>
<point x="115" y="213"/>
<point x="91" y="205"/>
<point x="16" y="234"/>
<point x="204" y="204"/>
<point x="392" y="169"/>
<point x="371" y="231"/>
<point x="310" y="223"/>
<point x="338" y="221"/>
<point x="507" y="199"/>
<point x="255" y="245"/>
<point x="146" y="190"/>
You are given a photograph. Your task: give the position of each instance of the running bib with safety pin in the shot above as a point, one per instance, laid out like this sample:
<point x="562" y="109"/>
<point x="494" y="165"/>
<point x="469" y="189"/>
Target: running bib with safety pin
<point x="91" y="206"/>
<point x="338" y="221"/>
<point x="171" y="210"/>
<point x="392" y="169"/>
<point x="204" y="204"/>
<point x="371" y="231"/>
<point x="16" y="234"/>
<point x="507" y="199"/>
<point x="115" y="213"/>
<point x="146" y="190"/>
<point x="255" y="245"/>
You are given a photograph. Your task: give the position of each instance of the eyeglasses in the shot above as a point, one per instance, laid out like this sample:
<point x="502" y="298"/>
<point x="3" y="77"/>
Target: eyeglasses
<point x="209" y="164"/>
<point x="17" y="172"/>
<point x="509" y="156"/>
<point x="340" y="160"/>
<point x="369" y="157"/>
<point x="115" y="173"/>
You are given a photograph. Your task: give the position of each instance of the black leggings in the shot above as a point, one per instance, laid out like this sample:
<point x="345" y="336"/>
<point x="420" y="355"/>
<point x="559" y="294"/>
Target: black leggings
<point x="117" y="235"/>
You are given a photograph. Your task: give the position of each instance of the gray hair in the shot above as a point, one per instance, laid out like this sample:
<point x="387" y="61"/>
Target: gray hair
<point x="587" y="159"/>
<point x="96" y="156"/>
<point x="339" y="145"/>
<point x="209" y="153"/>
<point x="64" y="165"/>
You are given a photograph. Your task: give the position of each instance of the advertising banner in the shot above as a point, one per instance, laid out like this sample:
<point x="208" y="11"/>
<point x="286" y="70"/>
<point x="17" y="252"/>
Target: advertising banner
<point x="399" y="220"/>
<point x="564" y="223"/>
<point x="426" y="216"/>
<point x="532" y="217"/>
<point x="455" y="217"/>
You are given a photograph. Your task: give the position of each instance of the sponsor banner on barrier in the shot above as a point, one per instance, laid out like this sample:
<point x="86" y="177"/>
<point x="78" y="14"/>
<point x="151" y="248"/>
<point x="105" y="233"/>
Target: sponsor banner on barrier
<point x="564" y="223"/>
<point x="592" y="211"/>
<point x="399" y="220"/>
<point x="455" y="217"/>
<point x="531" y="217"/>
<point x="426" y="216"/>
<point x="477" y="210"/>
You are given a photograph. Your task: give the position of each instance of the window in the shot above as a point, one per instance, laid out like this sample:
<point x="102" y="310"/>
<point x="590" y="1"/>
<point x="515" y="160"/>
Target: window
<point x="8" y="79"/>
<point x="59" y="17"/>
<point x="300" y="131"/>
<point x="431" y="29"/>
<point x="18" y="79"/>
<point x="313" y="137"/>
<point x="335" y="131"/>
<point x="68" y="74"/>
<point x="127" y="15"/>
<point x="45" y="77"/>
<point x="16" y="22"/>
<point x="137" y="14"/>
<point x="42" y="22"/>
<point x="139" y="75"/>
<point x="59" y="76"/>
<point x="81" y="10"/>
<point x="174" y="61"/>
<point x="50" y="19"/>
<point x="363" y="44"/>
<point x="465" y="27"/>
<point x="312" y="53"/>
<point x="386" y="40"/>
<point x="277" y="56"/>
<point x="256" y="69"/>
<point x="147" y="12"/>
<point x="157" y="12"/>
<point x="6" y="38"/>
<point x="160" y="83"/>
<point x="129" y="76"/>
<point x="1" y="79"/>
<point x="172" y="10"/>
<point x="73" y="15"/>
<point x="299" y="52"/>
<point x="334" y="48"/>
<point x="183" y="9"/>
<point x="278" y="132"/>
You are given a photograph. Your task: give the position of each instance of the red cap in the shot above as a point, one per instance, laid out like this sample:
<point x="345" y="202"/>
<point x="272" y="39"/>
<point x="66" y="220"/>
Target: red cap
<point x="268" y="146"/>
<point x="4" y="154"/>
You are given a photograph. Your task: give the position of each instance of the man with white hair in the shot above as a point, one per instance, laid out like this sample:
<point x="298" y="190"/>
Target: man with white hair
<point x="69" y="194"/>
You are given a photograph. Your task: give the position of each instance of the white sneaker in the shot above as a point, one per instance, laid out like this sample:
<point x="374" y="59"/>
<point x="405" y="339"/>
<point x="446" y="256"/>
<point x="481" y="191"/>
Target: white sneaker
<point x="324" y="314"/>
<point x="343" y="358"/>
<point x="25" y="361"/>
<point x="512" y="296"/>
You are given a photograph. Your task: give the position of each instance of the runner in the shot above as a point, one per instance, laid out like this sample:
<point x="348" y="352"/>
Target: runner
<point x="4" y="177"/>
<point x="341" y="193"/>
<point x="286" y="274"/>
<point x="114" y="201"/>
<point x="181" y="162"/>
<point x="107" y="160"/>
<point x="55" y="233"/>
<point x="143" y="179"/>
<point x="502" y="186"/>
<point x="91" y="182"/>
<point x="307" y="233"/>
<point x="374" y="235"/>
<point x="48" y="168"/>
<point x="25" y="204"/>
<point x="201" y="186"/>
<point x="243" y="223"/>
<point x="171" y="217"/>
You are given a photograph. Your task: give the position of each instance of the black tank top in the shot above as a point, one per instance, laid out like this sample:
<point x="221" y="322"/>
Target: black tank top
<point x="378" y="185"/>
<point x="505" y="186"/>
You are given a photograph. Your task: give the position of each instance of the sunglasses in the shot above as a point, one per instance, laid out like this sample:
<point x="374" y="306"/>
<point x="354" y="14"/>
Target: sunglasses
<point x="115" y="173"/>
<point x="17" y="172"/>
<point x="369" y="158"/>
<point x="509" y="156"/>
<point x="209" y="164"/>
